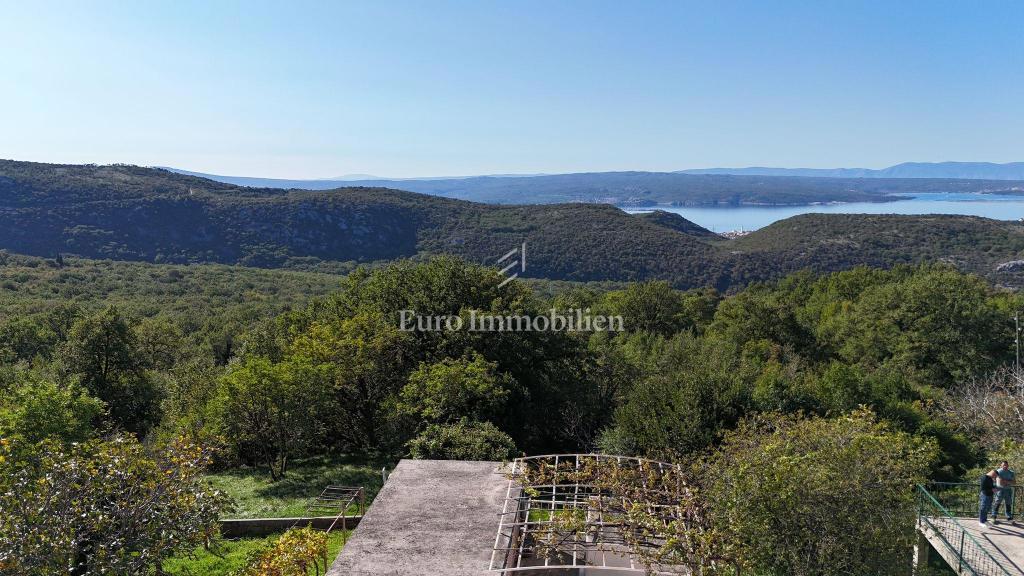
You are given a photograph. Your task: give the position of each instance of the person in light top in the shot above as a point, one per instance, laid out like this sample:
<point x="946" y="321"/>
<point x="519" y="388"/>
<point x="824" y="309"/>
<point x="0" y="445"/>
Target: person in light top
<point x="1005" y="480"/>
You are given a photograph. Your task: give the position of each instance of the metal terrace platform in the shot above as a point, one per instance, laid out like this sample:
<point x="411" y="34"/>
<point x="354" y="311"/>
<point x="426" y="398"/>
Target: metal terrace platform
<point x="561" y="521"/>
<point x="947" y="519"/>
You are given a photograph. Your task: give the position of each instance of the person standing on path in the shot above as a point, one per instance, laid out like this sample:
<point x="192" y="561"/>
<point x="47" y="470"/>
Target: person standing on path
<point x="1005" y="480"/>
<point x="988" y="487"/>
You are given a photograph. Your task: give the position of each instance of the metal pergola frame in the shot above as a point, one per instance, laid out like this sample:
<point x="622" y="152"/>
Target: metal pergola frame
<point x="599" y="543"/>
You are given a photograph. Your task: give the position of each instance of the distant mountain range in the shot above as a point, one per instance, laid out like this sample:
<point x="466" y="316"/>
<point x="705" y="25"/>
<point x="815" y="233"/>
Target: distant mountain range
<point x="654" y="188"/>
<point x="955" y="170"/>
<point x="124" y="212"/>
<point x="959" y="170"/>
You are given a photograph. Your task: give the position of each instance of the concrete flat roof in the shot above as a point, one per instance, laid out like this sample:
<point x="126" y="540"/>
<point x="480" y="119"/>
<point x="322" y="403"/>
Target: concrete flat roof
<point x="431" y="518"/>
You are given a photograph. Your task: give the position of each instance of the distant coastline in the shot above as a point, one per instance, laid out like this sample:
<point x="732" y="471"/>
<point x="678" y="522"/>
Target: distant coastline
<point x="649" y="189"/>
<point x="1006" y="204"/>
<point x="627" y="205"/>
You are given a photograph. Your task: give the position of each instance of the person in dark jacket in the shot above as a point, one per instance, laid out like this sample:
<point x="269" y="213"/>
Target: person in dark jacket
<point x="988" y="488"/>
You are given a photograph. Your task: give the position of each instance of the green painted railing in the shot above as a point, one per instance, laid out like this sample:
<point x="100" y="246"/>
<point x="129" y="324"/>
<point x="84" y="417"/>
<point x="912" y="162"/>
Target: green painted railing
<point x="947" y="531"/>
<point x="961" y="499"/>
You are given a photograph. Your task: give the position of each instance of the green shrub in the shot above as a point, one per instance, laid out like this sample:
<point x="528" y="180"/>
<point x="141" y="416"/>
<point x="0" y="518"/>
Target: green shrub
<point x="297" y="552"/>
<point x="463" y="440"/>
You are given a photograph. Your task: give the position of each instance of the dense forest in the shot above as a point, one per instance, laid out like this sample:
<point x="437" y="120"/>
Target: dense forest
<point x="885" y="339"/>
<point x="865" y="367"/>
<point x="210" y="304"/>
<point x="151" y="215"/>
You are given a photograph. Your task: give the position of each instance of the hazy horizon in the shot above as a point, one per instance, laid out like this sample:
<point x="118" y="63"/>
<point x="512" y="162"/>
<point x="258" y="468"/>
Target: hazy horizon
<point x="361" y="176"/>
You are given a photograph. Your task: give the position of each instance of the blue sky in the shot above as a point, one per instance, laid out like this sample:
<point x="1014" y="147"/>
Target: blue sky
<point x="320" y="89"/>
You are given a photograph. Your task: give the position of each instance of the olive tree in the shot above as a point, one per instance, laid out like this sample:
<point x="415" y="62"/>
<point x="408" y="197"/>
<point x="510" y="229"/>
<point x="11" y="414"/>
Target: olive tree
<point x="102" y="353"/>
<point x="102" y="507"/>
<point x="363" y="359"/>
<point x="454" y="388"/>
<point x="36" y="408"/>
<point x="814" y="496"/>
<point x="271" y="412"/>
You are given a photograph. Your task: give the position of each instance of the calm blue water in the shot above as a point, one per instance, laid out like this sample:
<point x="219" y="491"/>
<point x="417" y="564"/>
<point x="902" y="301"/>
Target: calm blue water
<point x="724" y="219"/>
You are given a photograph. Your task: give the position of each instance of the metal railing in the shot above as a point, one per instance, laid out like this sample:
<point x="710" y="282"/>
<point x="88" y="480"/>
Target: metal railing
<point x="962" y="550"/>
<point x="961" y="499"/>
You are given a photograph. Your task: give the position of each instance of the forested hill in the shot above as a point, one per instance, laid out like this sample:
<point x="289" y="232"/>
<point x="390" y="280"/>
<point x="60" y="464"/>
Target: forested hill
<point x="825" y="242"/>
<point x="143" y="214"/>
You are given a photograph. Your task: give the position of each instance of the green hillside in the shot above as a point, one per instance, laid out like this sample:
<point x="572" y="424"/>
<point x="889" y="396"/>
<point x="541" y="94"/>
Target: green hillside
<point x="142" y="214"/>
<point x="150" y="215"/>
<point x="676" y="222"/>
<point x="825" y="242"/>
<point x="30" y="285"/>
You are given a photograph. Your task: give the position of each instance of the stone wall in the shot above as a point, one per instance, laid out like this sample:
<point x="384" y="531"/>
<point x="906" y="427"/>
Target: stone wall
<point x="236" y="528"/>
